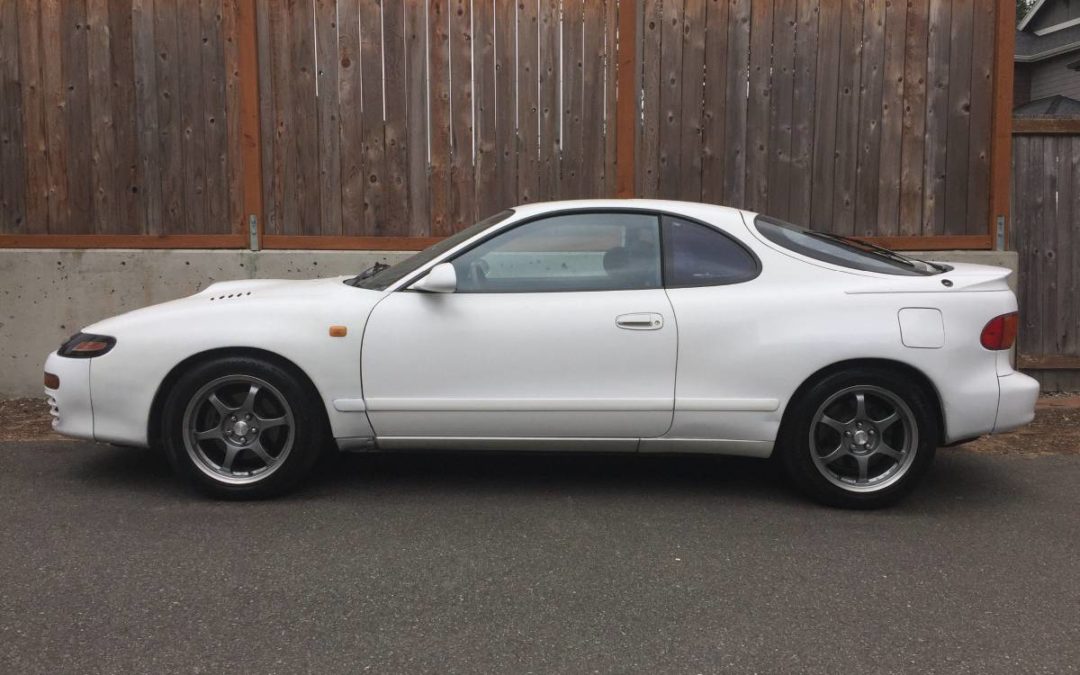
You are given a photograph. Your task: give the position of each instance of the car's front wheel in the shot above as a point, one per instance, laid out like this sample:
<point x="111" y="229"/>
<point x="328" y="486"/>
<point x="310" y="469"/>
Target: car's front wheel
<point x="859" y="439"/>
<point x="242" y="428"/>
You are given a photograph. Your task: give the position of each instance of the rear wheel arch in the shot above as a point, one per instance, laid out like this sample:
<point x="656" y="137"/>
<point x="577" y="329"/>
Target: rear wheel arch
<point x="158" y="405"/>
<point x="886" y="365"/>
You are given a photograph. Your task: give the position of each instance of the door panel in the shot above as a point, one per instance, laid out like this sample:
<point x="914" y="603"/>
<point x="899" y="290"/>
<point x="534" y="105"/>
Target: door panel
<point x="520" y="365"/>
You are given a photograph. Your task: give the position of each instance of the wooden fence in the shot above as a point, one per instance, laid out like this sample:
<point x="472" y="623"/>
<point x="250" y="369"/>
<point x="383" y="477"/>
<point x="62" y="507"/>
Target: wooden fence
<point x="1046" y="208"/>
<point x="360" y="124"/>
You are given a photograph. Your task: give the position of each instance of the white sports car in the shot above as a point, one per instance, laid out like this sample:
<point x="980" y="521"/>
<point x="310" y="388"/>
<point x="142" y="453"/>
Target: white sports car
<point x="630" y="326"/>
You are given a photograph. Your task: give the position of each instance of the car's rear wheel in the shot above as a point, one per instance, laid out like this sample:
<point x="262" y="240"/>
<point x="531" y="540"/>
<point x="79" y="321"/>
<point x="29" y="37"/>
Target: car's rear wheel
<point x="242" y="428"/>
<point x="859" y="439"/>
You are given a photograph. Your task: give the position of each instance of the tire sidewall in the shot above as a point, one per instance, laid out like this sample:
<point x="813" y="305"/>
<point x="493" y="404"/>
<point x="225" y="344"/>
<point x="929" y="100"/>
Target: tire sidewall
<point x="795" y="451"/>
<point x="309" y="434"/>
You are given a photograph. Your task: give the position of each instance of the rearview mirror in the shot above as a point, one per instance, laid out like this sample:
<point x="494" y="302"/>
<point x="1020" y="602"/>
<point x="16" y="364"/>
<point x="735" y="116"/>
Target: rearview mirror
<point x="440" y="279"/>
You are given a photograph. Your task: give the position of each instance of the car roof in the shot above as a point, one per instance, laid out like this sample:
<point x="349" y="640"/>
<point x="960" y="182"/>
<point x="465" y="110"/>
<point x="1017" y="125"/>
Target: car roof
<point x="694" y="209"/>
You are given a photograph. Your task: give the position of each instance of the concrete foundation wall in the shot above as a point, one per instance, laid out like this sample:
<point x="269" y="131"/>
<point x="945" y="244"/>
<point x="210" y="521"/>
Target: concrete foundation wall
<point x="46" y="295"/>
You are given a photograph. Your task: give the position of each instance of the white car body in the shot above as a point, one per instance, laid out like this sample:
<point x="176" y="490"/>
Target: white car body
<point x="553" y="370"/>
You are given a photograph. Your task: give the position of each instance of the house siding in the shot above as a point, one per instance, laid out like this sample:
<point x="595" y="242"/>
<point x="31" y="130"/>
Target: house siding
<point x="1052" y="77"/>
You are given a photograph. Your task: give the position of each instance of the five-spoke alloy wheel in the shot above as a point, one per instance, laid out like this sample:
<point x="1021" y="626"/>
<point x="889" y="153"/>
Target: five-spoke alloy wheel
<point x="859" y="438"/>
<point x="241" y="427"/>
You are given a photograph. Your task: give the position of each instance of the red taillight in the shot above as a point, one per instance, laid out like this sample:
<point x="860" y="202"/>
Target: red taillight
<point x="1000" y="332"/>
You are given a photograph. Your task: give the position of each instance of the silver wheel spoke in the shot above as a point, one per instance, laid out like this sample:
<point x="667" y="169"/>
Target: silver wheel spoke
<point x="887" y="422"/>
<point x="230" y="456"/>
<point x="260" y="451"/>
<point x="271" y="422"/>
<point x="249" y="402"/>
<point x="889" y="452"/>
<point x="864" y="463"/>
<point x="836" y="454"/>
<point x="833" y="423"/>
<point x="218" y="404"/>
<point x="860" y="406"/>
<point x="209" y="434"/>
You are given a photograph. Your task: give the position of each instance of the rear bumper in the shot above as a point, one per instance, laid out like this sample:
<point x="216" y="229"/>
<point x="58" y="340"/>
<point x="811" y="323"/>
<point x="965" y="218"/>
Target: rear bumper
<point x="1016" y="401"/>
<point x="69" y="403"/>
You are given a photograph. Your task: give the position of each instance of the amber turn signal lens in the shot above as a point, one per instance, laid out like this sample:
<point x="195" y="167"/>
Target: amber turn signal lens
<point x="52" y="381"/>
<point x="339" y="331"/>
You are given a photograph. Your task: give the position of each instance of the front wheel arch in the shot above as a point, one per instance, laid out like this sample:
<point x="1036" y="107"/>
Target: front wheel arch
<point x="153" y="431"/>
<point x="897" y="367"/>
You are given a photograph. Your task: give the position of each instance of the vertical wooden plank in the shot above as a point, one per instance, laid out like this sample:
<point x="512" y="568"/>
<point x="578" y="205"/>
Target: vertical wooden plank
<point x="825" y="131"/>
<point x="305" y="139"/>
<point x="1001" y="125"/>
<point x="626" y="122"/>
<point x="1047" y="261"/>
<point x="572" y="100"/>
<point x="442" y="223"/>
<point x="76" y="113"/>
<point x="610" y="133"/>
<point x="527" y="151"/>
<point x="129" y="198"/>
<point x="715" y="101"/>
<point x="548" y="157"/>
<point x="148" y="147"/>
<point x="868" y="158"/>
<point x="892" y="118"/>
<point x="508" y="101"/>
<point x="329" y="133"/>
<point x="757" y="117"/>
<point x="982" y="106"/>
<point x="416" y="86"/>
<point x="913" y="135"/>
<point x="781" y="113"/>
<point x="33" y="120"/>
<point x="592" y="114"/>
<point x="669" y="172"/>
<point x="804" y="109"/>
<point x="1070" y="246"/>
<point x="462" y="205"/>
<point x="351" y="135"/>
<point x="214" y="117"/>
<point x="485" y="95"/>
<point x="1064" y="307"/>
<point x="13" y="173"/>
<point x="281" y="216"/>
<point x="169" y="131"/>
<point x="937" y="107"/>
<point x="959" y="118"/>
<point x="371" y="58"/>
<point x="193" y="122"/>
<point x="103" y="136"/>
<point x="847" y="117"/>
<point x="243" y="163"/>
<point x="396" y="183"/>
<point x="735" y="140"/>
<point x="693" y="97"/>
<point x="247" y="126"/>
<point x="648" y="147"/>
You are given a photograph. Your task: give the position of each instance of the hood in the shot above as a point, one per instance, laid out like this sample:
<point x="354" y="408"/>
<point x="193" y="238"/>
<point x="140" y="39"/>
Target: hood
<point x="233" y="300"/>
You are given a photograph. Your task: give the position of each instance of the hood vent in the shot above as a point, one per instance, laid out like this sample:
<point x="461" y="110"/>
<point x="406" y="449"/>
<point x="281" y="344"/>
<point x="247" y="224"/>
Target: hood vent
<point x="227" y="296"/>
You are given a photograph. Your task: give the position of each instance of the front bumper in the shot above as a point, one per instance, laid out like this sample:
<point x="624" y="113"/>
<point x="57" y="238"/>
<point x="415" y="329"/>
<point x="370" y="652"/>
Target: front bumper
<point x="1016" y="401"/>
<point x="69" y="403"/>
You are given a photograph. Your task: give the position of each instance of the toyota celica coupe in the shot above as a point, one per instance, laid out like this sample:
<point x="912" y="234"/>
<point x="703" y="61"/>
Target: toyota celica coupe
<point x="616" y="326"/>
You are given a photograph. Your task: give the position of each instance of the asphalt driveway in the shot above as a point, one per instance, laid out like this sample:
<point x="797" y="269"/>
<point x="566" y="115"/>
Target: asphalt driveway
<point x="536" y="563"/>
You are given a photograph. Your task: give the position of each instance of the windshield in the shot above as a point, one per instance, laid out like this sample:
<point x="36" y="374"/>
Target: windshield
<point x="842" y="251"/>
<point x="379" y="277"/>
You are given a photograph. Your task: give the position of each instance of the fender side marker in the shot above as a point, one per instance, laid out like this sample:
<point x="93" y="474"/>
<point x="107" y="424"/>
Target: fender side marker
<point x="339" y="331"/>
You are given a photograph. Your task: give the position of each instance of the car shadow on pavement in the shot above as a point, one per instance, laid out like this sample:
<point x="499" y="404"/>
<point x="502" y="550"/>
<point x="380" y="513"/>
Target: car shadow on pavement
<point x="958" y="479"/>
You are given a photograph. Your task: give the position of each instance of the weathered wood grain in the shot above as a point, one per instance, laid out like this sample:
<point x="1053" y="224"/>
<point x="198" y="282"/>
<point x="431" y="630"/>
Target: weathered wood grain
<point x="526" y="152"/>
<point x="648" y="145"/>
<point x="12" y="151"/>
<point x="959" y="117"/>
<point x="394" y="133"/>
<point x="548" y="102"/>
<point x="462" y="193"/>
<point x="714" y="107"/>
<point x="937" y="108"/>
<point x="735" y="128"/>
<point x="804" y="109"/>
<point x="442" y="223"/>
<point x="487" y="99"/>
<point x="913" y="137"/>
<point x="825" y="112"/>
<point x="668" y="156"/>
<point x="35" y="143"/>
<point x="371" y="63"/>
<point x="868" y="152"/>
<point x="508" y="104"/>
<point x="781" y="111"/>
<point x="350" y="139"/>
<point x="416" y="104"/>
<point x="329" y="105"/>
<point x="169" y="129"/>
<point x="892" y="118"/>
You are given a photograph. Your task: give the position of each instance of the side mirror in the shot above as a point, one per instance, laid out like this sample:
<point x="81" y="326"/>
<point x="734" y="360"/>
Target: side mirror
<point x="440" y="279"/>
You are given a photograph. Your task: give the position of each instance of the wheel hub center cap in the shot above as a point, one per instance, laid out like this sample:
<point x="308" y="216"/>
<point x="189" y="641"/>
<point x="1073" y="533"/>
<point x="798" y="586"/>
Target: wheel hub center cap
<point x="860" y="437"/>
<point x="240" y="428"/>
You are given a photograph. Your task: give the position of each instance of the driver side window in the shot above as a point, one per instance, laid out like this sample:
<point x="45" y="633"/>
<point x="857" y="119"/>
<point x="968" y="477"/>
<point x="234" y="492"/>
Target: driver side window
<point x="573" y="252"/>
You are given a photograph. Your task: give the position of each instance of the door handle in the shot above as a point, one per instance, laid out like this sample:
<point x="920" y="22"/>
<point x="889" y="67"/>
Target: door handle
<point x="641" y="321"/>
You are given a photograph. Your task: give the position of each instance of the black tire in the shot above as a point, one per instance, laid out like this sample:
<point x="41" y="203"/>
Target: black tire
<point x="287" y="452"/>
<point x="806" y="464"/>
